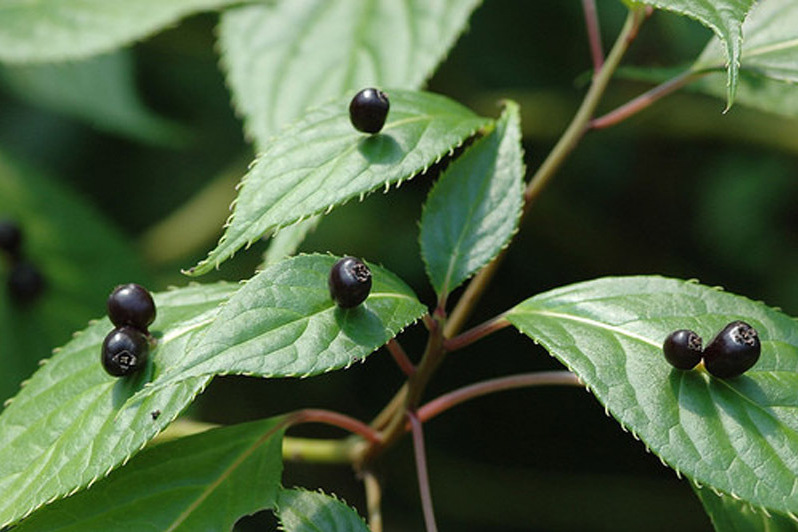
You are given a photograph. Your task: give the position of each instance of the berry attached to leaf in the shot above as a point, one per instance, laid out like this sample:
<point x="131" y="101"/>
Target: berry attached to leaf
<point x="368" y="110"/>
<point x="733" y="351"/>
<point x="349" y="282"/>
<point x="682" y="349"/>
<point x="125" y="351"/>
<point x="131" y="304"/>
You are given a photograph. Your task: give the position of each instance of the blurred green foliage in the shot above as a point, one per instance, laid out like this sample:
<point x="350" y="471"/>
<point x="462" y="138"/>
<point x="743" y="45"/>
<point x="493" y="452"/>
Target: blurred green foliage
<point x="680" y="190"/>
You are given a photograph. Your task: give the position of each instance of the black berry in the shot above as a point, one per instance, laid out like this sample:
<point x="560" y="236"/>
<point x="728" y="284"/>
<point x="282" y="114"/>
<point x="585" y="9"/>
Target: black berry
<point x="349" y="282"/>
<point x="131" y="304"/>
<point x="124" y="351"/>
<point x="368" y="110"/>
<point x="733" y="351"/>
<point x="10" y="238"/>
<point x="25" y="282"/>
<point x="682" y="349"/>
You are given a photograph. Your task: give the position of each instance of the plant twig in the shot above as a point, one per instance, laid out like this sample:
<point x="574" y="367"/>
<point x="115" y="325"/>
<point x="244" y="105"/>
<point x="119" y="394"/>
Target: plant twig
<point x="400" y="357"/>
<point x="320" y="451"/>
<point x="524" y="380"/>
<point x="645" y="100"/>
<point x="421" y="470"/>
<point x="373" y="500"/>
<point x="327" y="417"/>
<point x="593" y="34"/>
<point x="476" y="333"/>
<point x="568" y="141"/>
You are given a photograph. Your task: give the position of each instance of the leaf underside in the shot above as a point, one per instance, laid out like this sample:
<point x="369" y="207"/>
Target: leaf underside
<point x="69" y="427"/>
<point x="730" y="515"/>
<point x="474" y="208"/>
<point x="322" y="161"/>
<point x="725" y="19"/>
<point x="738" y="436"/>
<point x="214" y="478"/>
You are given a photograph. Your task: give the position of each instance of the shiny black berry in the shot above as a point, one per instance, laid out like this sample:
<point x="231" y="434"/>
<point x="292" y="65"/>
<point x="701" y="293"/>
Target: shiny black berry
<point x="125" y="351"/>
<point x="131" y="304"/>
<point x="682" y="349"/>
<point x="368" y="110"/>
<point x="733" y="351"/>
<point x="349" y="282"/>
<point x="25" y="282"/>
<point x="10" y="238"/>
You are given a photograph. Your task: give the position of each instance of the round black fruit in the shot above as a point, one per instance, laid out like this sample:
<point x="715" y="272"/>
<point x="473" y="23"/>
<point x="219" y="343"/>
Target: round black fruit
<point x="349" y="282"/>
<point x="10" y="237"/>
<point x="682" y="349"/>
<point x="368" y="110"/>
<point x="125" y="351"/>
<point x="131" y="304"/>
<point x="25" y="282"/>
<point x="733" y="351"/>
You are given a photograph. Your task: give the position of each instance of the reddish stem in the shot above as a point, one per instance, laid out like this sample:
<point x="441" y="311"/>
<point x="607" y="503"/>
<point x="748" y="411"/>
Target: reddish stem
<point x="476" y="333"/>
<point x="327" y="417"/>
<point x="593" y="34"/>
<point x="400" y="357"/>
<point x="524" y="380"/>
<point x="644" y="100"/>
<point x="421" y="468"/>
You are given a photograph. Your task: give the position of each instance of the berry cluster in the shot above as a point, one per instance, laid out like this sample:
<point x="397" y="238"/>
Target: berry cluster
<point x="125" y="349"/>
<point x="733" y="351"/>
<point x="368" y="110"/>
<point x="349" y="282"/>
<point x="25" y="282"/>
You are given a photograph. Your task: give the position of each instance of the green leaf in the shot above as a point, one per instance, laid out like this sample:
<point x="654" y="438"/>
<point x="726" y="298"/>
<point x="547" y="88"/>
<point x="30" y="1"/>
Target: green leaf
<point x="202" y="482"/>
<point x="739" y="436"/>
<point x="69" y="427"/>
<point x="308" y="511"/>
<point x="283" y="323"/>
<point x="100" y="91"/>
<point x="322" y="161"/>
<point x="770" y="47"/>
<point x="725" y="18"/>
<point x="74" y="29"/>
<point x="284" y="57"/>
<point x="730" y="515"/>
<point x="287" y="241"/>
<point x="62" y="236"/>
<point x="755" y="91"/>
<point x="474" y="208"/>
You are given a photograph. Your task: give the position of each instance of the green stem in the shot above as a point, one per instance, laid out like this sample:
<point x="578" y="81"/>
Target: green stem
<point x="568" y="141"/>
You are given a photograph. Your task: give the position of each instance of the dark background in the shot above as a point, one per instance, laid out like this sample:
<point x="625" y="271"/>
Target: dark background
<point x="679" y="190"/>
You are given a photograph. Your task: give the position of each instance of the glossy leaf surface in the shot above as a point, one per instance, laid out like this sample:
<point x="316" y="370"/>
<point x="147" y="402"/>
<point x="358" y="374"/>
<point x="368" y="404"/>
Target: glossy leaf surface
<point x="308" y="511"/>
<point x="283" y="323"/>
<point x="739" y="436"/>
<point x="214" y="478"/>
<point x="474" y="208"/>
<point x="322" y="161"/>
<point x="73" y="29"/>
<point x="725" y="19"/>
<point x="69" y="426"/>
<point x="285" y="57"/>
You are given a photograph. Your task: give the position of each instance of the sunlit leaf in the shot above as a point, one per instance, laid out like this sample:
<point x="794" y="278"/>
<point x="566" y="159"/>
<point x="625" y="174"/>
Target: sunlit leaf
<point x="739" y="436"/>
<point x="73" y="29"/>
<point x="283" y="323"/>
<point x="322" y="161"/>
<point x="69" y="427"/>
<point x="308" y="511"/>
<point x="474" y="208"/>
<point x="202" y="482"/>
